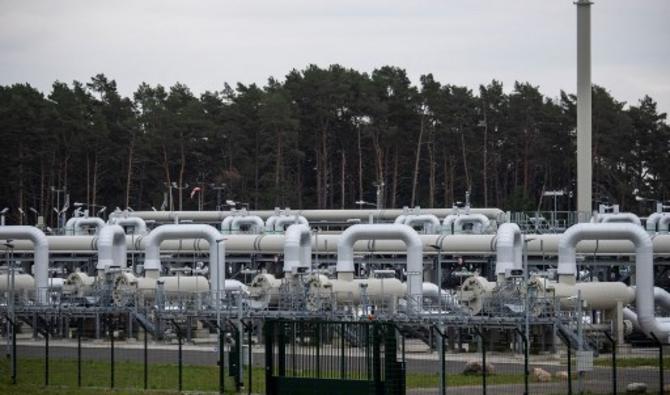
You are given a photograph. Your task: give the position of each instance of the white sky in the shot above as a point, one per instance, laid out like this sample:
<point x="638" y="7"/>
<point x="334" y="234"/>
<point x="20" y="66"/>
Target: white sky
<point x="207" y="43"/>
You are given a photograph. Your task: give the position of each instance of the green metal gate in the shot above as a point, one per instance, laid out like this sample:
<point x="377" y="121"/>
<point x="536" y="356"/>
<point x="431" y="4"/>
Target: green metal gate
<point x="329" y="358"/>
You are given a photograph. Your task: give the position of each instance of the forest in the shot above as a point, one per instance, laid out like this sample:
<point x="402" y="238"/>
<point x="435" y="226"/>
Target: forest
<point x="319" y="138"/>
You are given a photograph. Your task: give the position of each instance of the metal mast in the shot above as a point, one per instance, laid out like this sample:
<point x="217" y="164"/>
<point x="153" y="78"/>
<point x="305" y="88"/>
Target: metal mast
<point x="584" y="156"/>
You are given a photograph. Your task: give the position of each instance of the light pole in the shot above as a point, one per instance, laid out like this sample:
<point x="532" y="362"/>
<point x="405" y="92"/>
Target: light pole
<point x="180" y="188"/>
<point x="37" y="214"/>
<point x="66" y="204"/>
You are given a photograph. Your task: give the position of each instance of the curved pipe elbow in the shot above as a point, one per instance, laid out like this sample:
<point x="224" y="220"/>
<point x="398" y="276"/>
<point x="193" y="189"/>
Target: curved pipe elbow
<point x="111" y="245"/>
<point x="255" y="222"/>
<point x="297" y="248"/>
<point x="40" y="257"/>
<point x="95" y="222"/>
<point x="620" y="218"/>
<point x="138" y="224"/>
<point x="509" y="246"/>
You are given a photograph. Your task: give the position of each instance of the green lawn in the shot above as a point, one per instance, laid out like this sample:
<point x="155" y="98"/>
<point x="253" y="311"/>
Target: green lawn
<point x="163" y="378"/>
<point x="632" y="362"/>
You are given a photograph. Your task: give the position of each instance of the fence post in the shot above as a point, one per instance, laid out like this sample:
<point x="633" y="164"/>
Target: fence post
<point x="79" y="333"/>
<point x="14" y="357"/>
<point x="222" y="376"/>
<point x="661" y="380"/>
<point x="46" y="352"/>
<point x="111" y="349"/>
<point x="569" y="369"/>
<point x="443" y="367"/>
<point x="146" y="358"/>
<point x="179" y="357"/>
<point x="250" y="362"/>
<point x="614" y="345"/>
<point x="526" y="371"/>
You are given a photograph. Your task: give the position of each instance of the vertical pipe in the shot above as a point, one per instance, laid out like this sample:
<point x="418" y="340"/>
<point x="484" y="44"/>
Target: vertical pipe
<point x="584" y="156"/>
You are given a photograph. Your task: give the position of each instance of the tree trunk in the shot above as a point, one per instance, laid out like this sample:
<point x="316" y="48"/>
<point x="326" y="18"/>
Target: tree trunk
<point x="129" y="174"/>
<point x="182" y="169"/>
<point x="431" y="172"/>
<point x="485" y="179"/>
<point x="417" y="160"/>
<point x="394" y="191"/>
<point x="343" y="179"/>
<point x="468" y="184"/>
<point x="95" y="180"/>
<point x="360" y="165"/>
<point x="278" y="165"/>
<point x="525" y="162"/>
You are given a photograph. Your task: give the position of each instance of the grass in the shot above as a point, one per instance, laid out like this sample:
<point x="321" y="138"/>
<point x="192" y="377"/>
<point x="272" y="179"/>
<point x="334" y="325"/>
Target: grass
<point x="632" y="362"/>
<point x="163" y="378"/>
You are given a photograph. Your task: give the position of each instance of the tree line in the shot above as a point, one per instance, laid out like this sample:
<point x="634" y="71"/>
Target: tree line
<point x="320" y="138"/>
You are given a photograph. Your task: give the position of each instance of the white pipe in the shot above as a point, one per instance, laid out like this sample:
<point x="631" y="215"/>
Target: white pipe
<point x="69" y="225"/>
<point x="111" y="247"/>
<point x="664" y="224"/>
<point x="652" y="221"/>
<point x="400" y="219"/>
<point x="620" y="217"/>
<point x="297" y="248"/>
<point x="138" y="224"/>
<point x="345" y="253"/>
<point x="448" y="223"/>
<point x="226" y="224"/>
<point x="430" y="223"/>
<point x="311" y="215"/>
<point x="217" y="253"/>
<point x="509" y="248"/>
<point x="40" y="258"/>
<point x="480" y="223"/>
<point x="280" y="221"/>
<point x="253" y="221"/>
<point x="644" y="266"/>
<point x="95" y="222"/>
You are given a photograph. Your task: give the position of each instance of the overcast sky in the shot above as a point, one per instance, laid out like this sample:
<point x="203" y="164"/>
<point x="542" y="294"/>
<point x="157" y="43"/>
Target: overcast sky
<point x="207" y="43"/>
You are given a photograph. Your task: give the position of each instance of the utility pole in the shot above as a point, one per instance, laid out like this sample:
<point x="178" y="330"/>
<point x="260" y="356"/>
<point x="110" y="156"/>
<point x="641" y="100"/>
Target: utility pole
<point x="219" y="188"/>
<point x="584" y="156"/>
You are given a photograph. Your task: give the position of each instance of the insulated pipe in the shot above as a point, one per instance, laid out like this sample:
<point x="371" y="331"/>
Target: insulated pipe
<point x="217" y="252"/>
<point x="297" y="248"/>
<point x="480" y="223"/>
<point x="400" y="219"/>
<point x="311" y="215"/>
<point x="448" y="223"/>
<point x="138" y="224"/>
<point x="255" y="223"/>
<point x="40" y="257"/>
<point x="430" y="223"/>
<point x="652" y="221"/>
<point x="644" y="269"/>
<point x="345" y="253"/>
<point x="69" y="225"/>
<point x="664" y="224"/>
<point x="111" y="247"/>
<point x="509" y="248"/>
<point x="283" y="220"/>
<point x="619" y="218"/>
<point x="95" y="222"/>
<point x="226" y="224"/>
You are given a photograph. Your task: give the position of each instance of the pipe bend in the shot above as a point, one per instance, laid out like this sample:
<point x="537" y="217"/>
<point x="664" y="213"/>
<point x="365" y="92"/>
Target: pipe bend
<point x="40" y="257"/>
<point x="138" y="224"/>
<point x="297" y="248"/>
<point x="96" y="222"/>
<point x="254" y="221"/>
<point x="620" y="218"/>
<point x="112" y="247"/>
<point x="508" y="248"/>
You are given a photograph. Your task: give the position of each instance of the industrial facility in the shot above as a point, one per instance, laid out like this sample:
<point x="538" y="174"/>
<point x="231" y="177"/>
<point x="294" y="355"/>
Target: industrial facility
<point x="457" y="273"/>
